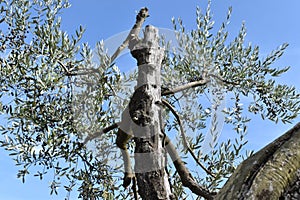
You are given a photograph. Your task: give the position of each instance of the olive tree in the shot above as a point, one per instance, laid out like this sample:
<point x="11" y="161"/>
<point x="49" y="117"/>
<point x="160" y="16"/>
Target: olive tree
<point x="58" y="96"/>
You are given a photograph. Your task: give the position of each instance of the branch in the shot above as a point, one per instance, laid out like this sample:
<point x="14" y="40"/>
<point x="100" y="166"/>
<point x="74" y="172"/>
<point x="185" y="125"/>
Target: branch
<point x="222" y="80"/>
<point x="140" y="18"/>
<point x="134" y="189"/>
<point x="89" y="71"/>
<point x="71" y="73"/>
<point x="98" y="133"/>
<point x="121" y="141"/>
<point x="185" y="176"/>
<point x="184" y="87"/>
<point x="195" y="84"/>
<point x="63" y="66"/>
<point x="85" y="160"/>
<point x="185" y="143"/>
<point x="134" y="32"/>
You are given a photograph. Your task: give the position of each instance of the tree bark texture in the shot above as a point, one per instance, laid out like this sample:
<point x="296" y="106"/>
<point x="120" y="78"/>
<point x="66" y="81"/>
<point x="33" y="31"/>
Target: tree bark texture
<point x="145" y="113"/>
<point x="271" y="173"/>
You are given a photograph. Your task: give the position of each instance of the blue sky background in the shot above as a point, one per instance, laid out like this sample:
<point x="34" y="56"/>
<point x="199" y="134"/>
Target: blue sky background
<point x="269" y="24"/>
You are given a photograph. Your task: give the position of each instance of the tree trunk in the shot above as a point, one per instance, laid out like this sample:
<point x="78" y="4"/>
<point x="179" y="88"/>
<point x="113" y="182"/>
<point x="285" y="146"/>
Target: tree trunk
<point x="271" y="173"/>
<point x="145" y="112"/>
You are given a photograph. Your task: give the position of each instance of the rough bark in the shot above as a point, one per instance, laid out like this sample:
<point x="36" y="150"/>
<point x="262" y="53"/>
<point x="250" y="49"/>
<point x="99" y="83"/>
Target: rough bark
<point x="145" y="112"/>
<point x="292" y="192"/>
<point x="271" y="173"/>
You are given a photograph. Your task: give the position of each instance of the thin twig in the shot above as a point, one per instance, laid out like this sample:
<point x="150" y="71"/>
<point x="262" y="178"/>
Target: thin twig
<point x="64" y="67"/>
<point x="222" y="80"/>
<point x="77" y="73"/>
<point x="99" y="133"/>
<point x="185" y="143"/>
<point x="134" y="189"/>
<point x="85" y="161"/>
<point x="91" y="70"/>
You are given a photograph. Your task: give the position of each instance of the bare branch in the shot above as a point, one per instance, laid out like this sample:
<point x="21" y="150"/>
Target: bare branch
<point x="185" y="87"/>
<point x="140" y="18"/>
<point x="121" y="141"/>
<point x="185" y="176"/>
<point x="196" y="84"/>
<point x="185" y="143"/>
<point x="81" y="73"/>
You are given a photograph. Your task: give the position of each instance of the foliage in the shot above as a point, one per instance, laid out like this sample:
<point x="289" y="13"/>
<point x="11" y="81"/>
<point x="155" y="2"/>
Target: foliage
<point x="43" y="126"/>
<point x="54" y="93"/>
<point x="235" y="71"/>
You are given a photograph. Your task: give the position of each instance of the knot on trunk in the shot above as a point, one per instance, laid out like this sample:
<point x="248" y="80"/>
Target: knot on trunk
<point x="140" y="106"/>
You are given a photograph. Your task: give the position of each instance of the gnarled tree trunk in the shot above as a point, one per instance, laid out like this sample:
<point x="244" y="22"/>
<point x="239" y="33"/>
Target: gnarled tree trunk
<point x="271" y="173"/>
<point x="145" y="112"/>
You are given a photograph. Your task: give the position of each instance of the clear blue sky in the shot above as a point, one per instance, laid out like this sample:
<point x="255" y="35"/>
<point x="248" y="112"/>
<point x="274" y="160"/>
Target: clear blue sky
<point x="269" y="24"/>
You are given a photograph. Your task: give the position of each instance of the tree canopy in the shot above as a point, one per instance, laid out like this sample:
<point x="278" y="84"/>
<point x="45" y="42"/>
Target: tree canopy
<point x="58" y="94"/>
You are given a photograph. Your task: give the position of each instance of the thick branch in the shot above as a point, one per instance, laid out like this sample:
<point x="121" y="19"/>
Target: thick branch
<point x="185" y="176"/>
<point x="140" y="18"/>
<point x="185" y="87"/>
<point x="185" y="142"/>
<point x="134" y="32"/>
